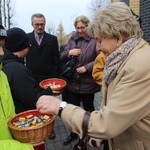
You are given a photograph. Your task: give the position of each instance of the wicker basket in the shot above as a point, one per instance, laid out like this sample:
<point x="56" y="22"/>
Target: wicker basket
<point x="32" y="135"/>
<point x="56" y="81"/>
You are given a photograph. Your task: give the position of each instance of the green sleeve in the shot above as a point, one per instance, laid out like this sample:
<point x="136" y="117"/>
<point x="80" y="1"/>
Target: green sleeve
<point x="10" y="144"/>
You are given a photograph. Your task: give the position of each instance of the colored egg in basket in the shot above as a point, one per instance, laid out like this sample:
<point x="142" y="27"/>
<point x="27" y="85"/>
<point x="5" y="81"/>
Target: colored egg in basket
<point x="31" y="126"/>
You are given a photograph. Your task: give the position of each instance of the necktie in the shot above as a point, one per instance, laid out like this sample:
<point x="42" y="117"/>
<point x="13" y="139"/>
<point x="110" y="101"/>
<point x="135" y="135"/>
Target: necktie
<point x="39" y="40"/>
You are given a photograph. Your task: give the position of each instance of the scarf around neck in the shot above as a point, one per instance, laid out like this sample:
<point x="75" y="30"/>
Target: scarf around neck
<point x="115" y="59"/>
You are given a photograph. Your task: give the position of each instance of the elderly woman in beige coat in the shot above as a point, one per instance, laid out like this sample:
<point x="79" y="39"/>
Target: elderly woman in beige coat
<point x="124" y="117"/>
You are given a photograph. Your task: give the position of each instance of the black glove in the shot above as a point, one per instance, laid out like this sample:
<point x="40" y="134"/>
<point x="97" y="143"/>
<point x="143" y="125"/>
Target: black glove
<point x="47" y="91"/>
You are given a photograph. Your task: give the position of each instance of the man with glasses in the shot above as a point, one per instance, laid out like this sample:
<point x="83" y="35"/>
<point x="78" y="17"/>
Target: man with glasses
<point x="43" y="56"/>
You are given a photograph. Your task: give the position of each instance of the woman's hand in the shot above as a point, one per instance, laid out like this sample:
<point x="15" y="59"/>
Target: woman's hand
<point x="81" y="69"/>
<point x="75" y="52"/>
<point x="48" y="105"/>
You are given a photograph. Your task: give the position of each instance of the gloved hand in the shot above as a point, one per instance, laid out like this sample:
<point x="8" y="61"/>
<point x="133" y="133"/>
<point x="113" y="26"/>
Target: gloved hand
<point x="47" y="91"/>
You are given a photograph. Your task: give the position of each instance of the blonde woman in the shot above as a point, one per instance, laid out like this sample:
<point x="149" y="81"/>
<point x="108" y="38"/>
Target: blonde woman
<point x="124" y="118"/>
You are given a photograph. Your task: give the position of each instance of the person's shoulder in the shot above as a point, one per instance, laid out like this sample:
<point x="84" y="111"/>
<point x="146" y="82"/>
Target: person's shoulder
<point x="30" y="33"/>
<point x="74" y="36"/>
<point x="50" y="35"/>
<point x="51" y="38"/>
<point x="14" y="66"/>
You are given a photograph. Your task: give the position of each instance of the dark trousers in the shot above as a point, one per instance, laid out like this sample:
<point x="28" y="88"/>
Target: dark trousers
<point x="106" y="147"/>
<point x="65" y="95"/>
<point x="76" y="99"/>
<point x="86" y="99"/>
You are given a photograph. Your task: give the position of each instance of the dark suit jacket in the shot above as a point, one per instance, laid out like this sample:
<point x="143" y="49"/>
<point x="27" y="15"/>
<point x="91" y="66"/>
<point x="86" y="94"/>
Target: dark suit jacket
<point x="43" y="60"/>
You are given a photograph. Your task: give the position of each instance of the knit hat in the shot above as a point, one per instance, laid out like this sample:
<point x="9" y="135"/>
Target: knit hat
<point x="3" y="33"/>
<point x="17" y="40"/>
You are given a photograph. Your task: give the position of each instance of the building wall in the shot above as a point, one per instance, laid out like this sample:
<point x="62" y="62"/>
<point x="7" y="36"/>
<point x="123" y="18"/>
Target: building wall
<point x="145" y="18"/>
<point x="127" y="2"/>
<point x="141" y="8"/>
<point x="135" y="6"/>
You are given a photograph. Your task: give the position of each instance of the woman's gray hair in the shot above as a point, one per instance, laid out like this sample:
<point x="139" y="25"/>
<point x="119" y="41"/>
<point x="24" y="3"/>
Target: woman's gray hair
<point x="82" y="19"/>
<point x="114" y="20"/>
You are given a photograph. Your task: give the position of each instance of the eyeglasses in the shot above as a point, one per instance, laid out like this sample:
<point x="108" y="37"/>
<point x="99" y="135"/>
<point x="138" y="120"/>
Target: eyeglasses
<point x="39" y="24"/>
<point x="80" y="28"/>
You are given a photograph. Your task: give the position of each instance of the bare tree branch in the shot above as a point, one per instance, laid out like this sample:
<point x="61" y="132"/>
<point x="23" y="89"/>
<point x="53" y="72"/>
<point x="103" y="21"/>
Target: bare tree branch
<point x="6" y="13"/>
<point x="95" y="4"/>
<point x="0" y="11"/>
<point x="9" y="13"/>
<point x="60" y="34"/>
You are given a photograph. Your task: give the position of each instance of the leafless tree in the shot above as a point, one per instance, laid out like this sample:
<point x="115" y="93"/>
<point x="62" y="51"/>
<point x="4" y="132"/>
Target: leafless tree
<point x="95" y="4"/>
<point x="6" y="14"/>
<point x="0" y="12"/>
<point x="51" y="29"/>
<point x="9" y="14"/>
<point x="60" y="33"/>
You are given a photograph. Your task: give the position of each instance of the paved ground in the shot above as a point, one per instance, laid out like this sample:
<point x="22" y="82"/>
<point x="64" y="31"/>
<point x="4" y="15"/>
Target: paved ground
<point x="61" y="133"/>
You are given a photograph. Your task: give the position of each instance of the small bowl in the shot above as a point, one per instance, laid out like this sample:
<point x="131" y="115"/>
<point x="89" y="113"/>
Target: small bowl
<point x="57" y="85"/>
<point x="35" y="134"/>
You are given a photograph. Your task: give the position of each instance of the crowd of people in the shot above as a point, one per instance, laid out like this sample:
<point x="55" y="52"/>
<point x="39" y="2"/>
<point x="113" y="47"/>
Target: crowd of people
<point x="111" y="58"/>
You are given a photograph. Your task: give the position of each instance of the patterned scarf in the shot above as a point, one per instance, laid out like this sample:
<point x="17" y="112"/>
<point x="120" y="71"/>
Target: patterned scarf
<point x="114" y="60"/>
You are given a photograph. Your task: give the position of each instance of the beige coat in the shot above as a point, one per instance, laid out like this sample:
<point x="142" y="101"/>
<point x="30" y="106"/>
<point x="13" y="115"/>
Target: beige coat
<point x="124" y="118"/>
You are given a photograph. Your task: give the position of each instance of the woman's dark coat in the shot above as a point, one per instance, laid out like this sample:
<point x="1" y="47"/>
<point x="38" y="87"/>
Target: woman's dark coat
<point x="82" y="83"/>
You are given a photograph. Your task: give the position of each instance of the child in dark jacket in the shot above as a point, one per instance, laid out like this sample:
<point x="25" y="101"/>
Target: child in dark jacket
<point x="22" y="84"/>
<point x="7" y="109"/>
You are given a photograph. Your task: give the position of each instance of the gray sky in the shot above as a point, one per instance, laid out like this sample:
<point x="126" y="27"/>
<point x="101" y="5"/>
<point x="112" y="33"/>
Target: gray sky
<point x="55" y="11"/>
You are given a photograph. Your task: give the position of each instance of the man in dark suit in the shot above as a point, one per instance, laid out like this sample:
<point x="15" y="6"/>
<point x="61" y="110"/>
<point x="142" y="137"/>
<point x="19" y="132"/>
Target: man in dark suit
<point x="43" y="56"/>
